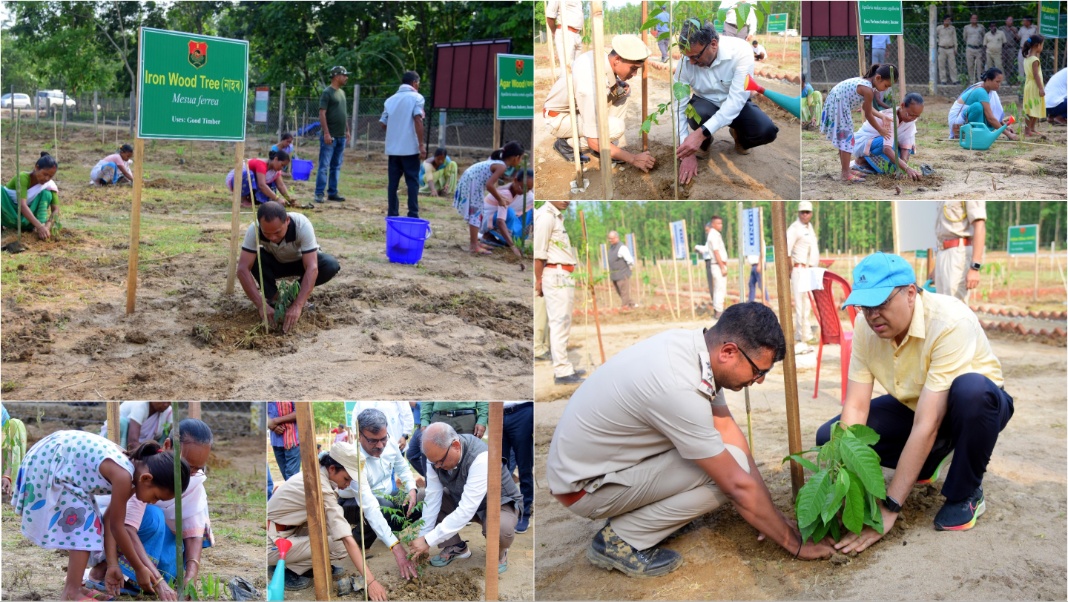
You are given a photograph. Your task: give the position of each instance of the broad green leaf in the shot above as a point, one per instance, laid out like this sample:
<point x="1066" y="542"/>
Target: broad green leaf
<point x="841" y="486"/>
<point x="721" y="15"/>
<point x="694" y="22"/>
<point x="741" y="12"/>
<point x="651" y="23"/>
<point x="836" y="531"/>
<point x="864" y="434"/>
<point x="691" y="113"/>
<point x="864" y="462"/>
<point x="680" y="90"/>
<point x="646" y="125"/>
<point x="821" y="530"/>
<point x="807" y="530"/>
<point x="811" y="497"/>
<point x="663" y="36"/>
<point x="802" y="461"/>
<point x="875" y="515"/>
<point x="853" y="513"/>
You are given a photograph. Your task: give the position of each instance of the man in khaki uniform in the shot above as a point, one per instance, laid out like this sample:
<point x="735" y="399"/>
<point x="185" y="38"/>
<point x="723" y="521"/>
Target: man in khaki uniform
<point x="553" y="265"/>
<point x="565" y="20"/>
<point x="947" y="52"/>
<point x="973" y="56"/>
<point x="994" y="40"/>
<point x="541" y="330"/>
<point x="287" y="516"/>
<point x="648" y="443"/>
<point x="803" y="248"/>
<point x="627" y="56"/>
<point x="961" y="232"/>
<point x="944" y="393"/>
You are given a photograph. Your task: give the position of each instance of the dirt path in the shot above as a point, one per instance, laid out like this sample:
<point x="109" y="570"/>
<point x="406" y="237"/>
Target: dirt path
<point x="771" y="171"/>
<point x="1024" y="524"/>
<point x="1008" y="170"/>
<point x="455" y="326"/>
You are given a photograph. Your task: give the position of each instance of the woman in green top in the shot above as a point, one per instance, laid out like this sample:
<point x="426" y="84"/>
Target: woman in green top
<point x="38" y="199"/>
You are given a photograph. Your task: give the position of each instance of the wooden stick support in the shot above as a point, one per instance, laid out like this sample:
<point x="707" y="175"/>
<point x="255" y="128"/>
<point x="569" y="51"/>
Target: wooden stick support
<point x="493" y="496"/>
<point x="194" y="410"/>
<point x="689" y="272"/>
<point x="604" y="141"/>
<point x="552" y="51"/>
<point x="786" y="319"/>
<point x="309" y="462"/>
<point x="593" y="294"/>
<point x="114" y="427"/>
<point x="179" y="543"/>
<point x="135" y="224"/>
<point x="235" y="218"/>
<point x="645" y="77"/>
<point x="663" y="284"/>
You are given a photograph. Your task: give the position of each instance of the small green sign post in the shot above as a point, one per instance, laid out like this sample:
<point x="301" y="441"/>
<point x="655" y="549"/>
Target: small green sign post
<point x="880" y="17"/>
<point x="1023" y="240"/>
<point x="1049" y="20"/>
<point x="778" y="22"/>
<point x="515" y="86"/>
<point x="769" y="254"/>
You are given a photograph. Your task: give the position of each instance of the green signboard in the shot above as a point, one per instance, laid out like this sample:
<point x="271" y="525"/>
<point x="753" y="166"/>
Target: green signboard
<point x="778" y="22"/>
<point x="1023" y="240"/>
<point x="880" y="17"/>
<point x="191" y="87"/>
<point x="515" y="86"/>
<point x="921" y="254"/>
<point x="769" y="254"/>
<point x="1049" y="20"/>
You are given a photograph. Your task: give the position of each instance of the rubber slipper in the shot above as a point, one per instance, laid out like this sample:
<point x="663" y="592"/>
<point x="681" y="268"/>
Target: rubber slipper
<point x="98" y="593"/>
<point x="99" y="586"/>
<point x="854" y="178"/>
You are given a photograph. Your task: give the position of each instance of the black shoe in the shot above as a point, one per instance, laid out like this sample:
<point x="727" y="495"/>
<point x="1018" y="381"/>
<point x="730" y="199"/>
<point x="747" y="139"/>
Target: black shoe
<point x="336" y="197"/>
<point x="563" y="147"/>
<point x="545" y="357"/>
<point x="961" y="516"/>
<point x="570" y="379"/>
<point x="336" y="571"/>
<point x="580" y="372"/>
<point x="609" y="552"/>
<point x="295" y="582"/>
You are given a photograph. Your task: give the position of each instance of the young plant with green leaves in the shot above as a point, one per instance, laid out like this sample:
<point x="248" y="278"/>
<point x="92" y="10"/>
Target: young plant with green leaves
<point x="846" y="487"/>
<point x="409" y="530"/>
<point x="287" y="294"/>
<point x="204" y="588"/>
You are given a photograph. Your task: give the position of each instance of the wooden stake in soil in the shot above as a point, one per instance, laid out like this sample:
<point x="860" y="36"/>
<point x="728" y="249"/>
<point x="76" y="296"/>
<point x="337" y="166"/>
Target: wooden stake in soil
<point x="552" y="52"/>
<point x="593" y="293"/>
<point x="114" y="427"/>
<point x="741" y="296"/>
<point x="605" y="142"/>
<point x="259" y="260"/>
<point x="789" y="366"/>
<point x="135" y="224"/>
<point x="493" y="493"/>
<point x="663" y="285"/>
<point x="235" y="218"/>
<point x="645" y="78"/>
<point x="686" y="242"/>
<point x="321" y="571"/>
<point x="179" y="543"/>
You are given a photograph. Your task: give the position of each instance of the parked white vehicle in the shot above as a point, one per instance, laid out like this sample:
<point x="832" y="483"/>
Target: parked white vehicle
<point x="22" y="101"/>
<point x="52" y="99"/>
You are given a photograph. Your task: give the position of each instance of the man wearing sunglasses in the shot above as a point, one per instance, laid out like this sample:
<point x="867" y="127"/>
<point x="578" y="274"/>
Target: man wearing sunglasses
<point x="647" y="443"/>
<point x="874" y="154"/>
<point x="944" y="393"/>
<point x="715" y="68"/>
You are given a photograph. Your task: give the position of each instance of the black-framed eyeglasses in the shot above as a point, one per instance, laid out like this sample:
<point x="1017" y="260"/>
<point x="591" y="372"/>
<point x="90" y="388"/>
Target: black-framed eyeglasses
<point x="757" y="372"/>
<point x="868" y="311"/>
<point x="697" y="60"/>
<point x="439" y="463"/>
<point x="381" y="441"/>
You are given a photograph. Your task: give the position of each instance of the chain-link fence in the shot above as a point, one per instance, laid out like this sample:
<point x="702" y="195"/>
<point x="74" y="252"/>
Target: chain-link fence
<point x="227" y="419"/>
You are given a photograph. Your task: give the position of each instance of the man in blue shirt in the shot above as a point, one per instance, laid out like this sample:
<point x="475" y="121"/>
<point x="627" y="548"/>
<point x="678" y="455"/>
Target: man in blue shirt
<point x="282" y="422"/>
<point x="662" y="27"/>
<point x="402" y="119"/>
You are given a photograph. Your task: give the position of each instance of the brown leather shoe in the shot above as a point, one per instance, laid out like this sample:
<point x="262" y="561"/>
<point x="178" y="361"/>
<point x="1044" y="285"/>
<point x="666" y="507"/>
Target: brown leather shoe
<point x="738" y="147"/>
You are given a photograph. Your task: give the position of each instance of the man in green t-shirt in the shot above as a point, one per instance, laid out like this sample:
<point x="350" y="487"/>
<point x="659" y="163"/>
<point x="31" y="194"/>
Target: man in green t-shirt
<point x="334" y="130"/>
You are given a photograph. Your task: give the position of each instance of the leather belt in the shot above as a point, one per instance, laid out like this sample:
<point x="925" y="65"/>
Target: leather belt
<point x="567" y="499"/>
<point x="946" y="47"/>
<point x="455" y="413"/>
<point x="516" y="408"/>
<point x="549" y="113"/>
<point x="569" y="28"/>
<point x="957" y="242"/>
<point x="800" y="265"/>
<point x="280" y="527"/>
<point x="566" y="268"/>
<point x="974" y="47"/>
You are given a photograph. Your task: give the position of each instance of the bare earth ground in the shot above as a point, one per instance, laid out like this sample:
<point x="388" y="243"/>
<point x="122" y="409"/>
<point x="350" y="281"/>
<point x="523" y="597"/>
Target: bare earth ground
<point x="460" y="580"/>
<point x="1015" y="552"/>
<point x="32" y="573"/>
<point x="1008" y="170"/>
<point x="769" y="172"/>
<point x="455" y="326"/>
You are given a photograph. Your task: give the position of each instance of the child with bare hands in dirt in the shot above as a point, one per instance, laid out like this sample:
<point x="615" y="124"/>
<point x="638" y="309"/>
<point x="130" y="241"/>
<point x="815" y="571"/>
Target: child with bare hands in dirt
<point x="837" y="121"/>
<point x="55" y="491"/>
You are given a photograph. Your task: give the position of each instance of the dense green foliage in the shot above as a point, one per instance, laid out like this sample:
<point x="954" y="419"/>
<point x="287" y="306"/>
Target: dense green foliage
<point x="93" y="46"/>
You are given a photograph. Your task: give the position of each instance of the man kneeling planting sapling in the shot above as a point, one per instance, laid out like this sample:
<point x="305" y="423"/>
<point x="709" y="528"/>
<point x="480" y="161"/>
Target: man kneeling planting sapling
<point x="276" y="245"/>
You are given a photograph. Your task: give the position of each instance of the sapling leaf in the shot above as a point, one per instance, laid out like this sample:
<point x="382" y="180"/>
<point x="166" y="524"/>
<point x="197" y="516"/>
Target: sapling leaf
<point x="811" y="497"/>
<point x="836" y="531"/>
<point x="864" y="434"/>
<point x="663" y="36"/>
<point x="692" y="113"/>
<point x="680" y="90"/>
<point x="721" y="15"/>
<point x="864" y="462"/>
<point x="841" y="486"/>
<point x="821" y="531"/>
<point x="651" y="23"/>
<point x="646" y="126"/>
<point x="694" y="22"/>
<point x="875" y="515"/>
<point x="741" y="11"/>
<point x="853" y="513"/>
<point x="802" y="461"/>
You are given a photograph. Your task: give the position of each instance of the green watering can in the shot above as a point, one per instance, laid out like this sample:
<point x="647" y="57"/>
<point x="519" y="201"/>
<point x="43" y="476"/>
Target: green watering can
<point x="979" y="136"/>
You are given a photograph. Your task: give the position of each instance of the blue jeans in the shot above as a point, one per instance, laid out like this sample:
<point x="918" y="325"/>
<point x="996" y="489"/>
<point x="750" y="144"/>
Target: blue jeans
<point x="518" y="437"/>
<point x="288" y="461"/>
<point x="407" y="166"/>
<point x="976" y="412"/>
<point x="414" y="452"/>
<point x="755" y="279"/>
<point x="330" y="157"/>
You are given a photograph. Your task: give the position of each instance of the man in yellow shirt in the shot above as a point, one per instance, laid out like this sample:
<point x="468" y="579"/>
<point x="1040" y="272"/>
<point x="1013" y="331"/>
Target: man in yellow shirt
<point x="944" y="392"/>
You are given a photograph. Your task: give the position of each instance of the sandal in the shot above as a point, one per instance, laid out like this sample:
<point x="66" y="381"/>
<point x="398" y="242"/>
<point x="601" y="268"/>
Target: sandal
<point x="855" y="179"/>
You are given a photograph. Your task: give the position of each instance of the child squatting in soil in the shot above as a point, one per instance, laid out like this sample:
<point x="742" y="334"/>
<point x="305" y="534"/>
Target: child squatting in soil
<point x="846" y="97"/>
<point x="55" y="491"/>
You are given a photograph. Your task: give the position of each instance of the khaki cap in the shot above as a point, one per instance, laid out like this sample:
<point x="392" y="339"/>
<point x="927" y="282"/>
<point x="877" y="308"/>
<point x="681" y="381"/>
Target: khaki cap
<point x="348" y="456"/>
<point x="630" y="47"/>
<point x="804" y="206"/>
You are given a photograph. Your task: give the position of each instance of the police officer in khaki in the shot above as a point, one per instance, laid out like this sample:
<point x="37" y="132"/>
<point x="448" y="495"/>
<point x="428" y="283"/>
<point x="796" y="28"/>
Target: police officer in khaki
<point x="628" y="54"/>
<point x="565" y="20"/>
<point x="287" y="516"/>
<point x="994" y="41"/>
<point x="947" y="52"/>
<point x="973" y="56"/>
<point x="960" y="228"/>
<point x="553" y="264"/>
<point x="804" y="250"/>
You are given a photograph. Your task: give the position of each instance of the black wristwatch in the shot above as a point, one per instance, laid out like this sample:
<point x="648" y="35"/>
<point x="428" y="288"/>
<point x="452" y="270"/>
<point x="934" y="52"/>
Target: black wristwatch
<point x="708" y="134"/>
<point x="891" y="504"/>
<point x="976" y="266"/>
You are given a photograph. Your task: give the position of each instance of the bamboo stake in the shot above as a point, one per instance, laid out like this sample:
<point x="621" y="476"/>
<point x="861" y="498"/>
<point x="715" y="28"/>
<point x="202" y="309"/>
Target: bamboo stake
<point x="321" y="571"/>
<point x="763" y="263"/>
<point x="675" y="267"/>
<point x="667" y="295"/>
<point x="789" y="366"/>
<point x="604" y="141"/>
<point x="55" y="137"/>
<point x="671" y="106"/>
<point x="259" y="260"/>
<point x="579" y="185"/>
<point x="179" y="542"/>
<point x="645" y="78"/>
<point x="686" y="240"/>
<point x="114" y="427"/>
<point x="20" y="192"/>
<point x="361" y="480"/>
<point x="593" y="293"/>
<point x="135" y="224"/>
<point x="493" y="495"/>
<point x="552" y="51"/>
<point x="1038" y="247"/>
<point x="235" y="219"/>
<point x="741" y="295"/>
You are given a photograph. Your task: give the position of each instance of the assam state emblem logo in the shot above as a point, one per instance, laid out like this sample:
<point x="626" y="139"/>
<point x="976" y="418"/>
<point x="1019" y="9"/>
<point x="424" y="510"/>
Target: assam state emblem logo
<point x="519" y="67"/>
<point x="198" y="53"/>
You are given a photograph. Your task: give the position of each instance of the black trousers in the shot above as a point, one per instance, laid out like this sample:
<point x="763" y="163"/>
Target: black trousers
<point x="351" y="506"/>
<point x="977" y="411"/>
<point x="407" y="166"/>
<point x="752" y="126"/>
<point x="274" y="269"/>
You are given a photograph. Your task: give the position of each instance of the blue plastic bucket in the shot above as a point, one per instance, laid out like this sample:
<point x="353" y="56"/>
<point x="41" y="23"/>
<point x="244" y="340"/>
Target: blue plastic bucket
<point x="405" y="237"/>
<point x="301" y="169"/>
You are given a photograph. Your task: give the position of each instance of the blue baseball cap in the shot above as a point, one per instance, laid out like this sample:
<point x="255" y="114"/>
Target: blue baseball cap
<point x="876" y="276"/>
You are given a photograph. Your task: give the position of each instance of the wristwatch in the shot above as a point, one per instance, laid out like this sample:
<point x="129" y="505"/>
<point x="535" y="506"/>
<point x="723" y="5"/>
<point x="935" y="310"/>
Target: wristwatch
<point x="976" y="266"/>
<point x="891" y="504"/>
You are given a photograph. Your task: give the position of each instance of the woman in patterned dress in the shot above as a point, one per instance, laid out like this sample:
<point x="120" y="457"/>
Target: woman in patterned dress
<point x="846" y="97"/>
<point x="479" y="179"/>
<point x="54" y="495"/>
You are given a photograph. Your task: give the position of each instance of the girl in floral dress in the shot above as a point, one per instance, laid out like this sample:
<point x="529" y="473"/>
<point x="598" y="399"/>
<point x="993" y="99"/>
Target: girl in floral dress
<point x="479" y="179"/>
<point x="54" y="495"/>
<point x="846" y="97"/>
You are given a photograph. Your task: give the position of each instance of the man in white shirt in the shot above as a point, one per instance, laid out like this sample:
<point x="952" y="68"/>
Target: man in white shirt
<point x="620" y="262"/>
<point x="565" y="20"/>
<point x="759" y="53"/>
<point x="456" y="478"/>
<point x="715" y="68"/>
<point x="1056" y="92"/>
<point x="878" y="49"/>
<point x="399" y="419"/>
<point x="715" y="251"/>
<point x="874" y="154"/>
<point x="1027" y="30"/>
<point x="803" y="248"/>
<point x="383" y="464"/>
